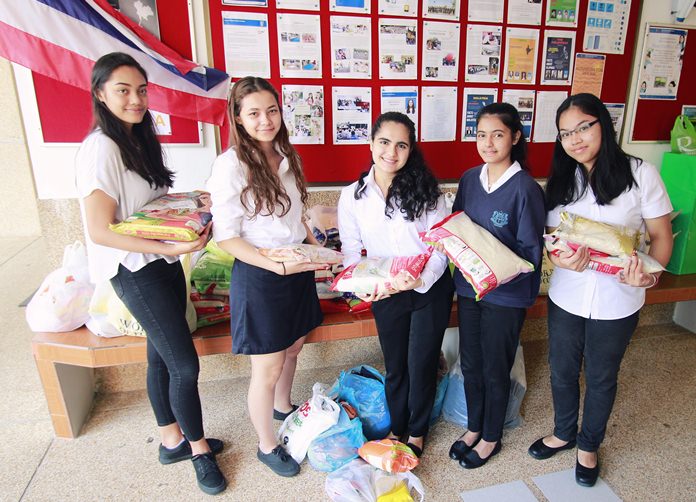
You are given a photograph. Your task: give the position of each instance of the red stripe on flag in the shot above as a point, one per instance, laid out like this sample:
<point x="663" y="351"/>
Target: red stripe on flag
<point x="66" y="66"/>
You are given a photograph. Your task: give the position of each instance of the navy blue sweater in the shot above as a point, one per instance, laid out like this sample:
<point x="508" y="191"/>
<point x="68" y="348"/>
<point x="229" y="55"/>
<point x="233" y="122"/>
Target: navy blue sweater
<point x="515" y="215"/>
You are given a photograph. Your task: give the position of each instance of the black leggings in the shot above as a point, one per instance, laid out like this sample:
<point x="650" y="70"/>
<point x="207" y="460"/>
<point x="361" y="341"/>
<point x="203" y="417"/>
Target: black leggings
<point x="156" y="296"/>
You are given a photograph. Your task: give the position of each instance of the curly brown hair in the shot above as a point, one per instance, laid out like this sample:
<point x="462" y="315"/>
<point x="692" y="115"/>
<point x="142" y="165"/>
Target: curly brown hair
<point x="263" y="184"/>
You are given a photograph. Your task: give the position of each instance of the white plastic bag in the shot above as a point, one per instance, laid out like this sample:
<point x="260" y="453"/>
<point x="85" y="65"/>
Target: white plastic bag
<point x="358" y="481"/>
<point x="62" y="301"/>
<point x="306" y="423"/>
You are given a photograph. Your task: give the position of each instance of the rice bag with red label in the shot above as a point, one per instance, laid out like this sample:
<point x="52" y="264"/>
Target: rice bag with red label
<point x="376" y="275"/>
<point x="389" y="455"/>
<point x="483" y="260"/>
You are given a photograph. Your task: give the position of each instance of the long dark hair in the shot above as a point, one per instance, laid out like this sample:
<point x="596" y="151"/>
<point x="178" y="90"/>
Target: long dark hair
<point x="414" y="188"/>
<point x="611" y="174"/>
<point x="510" y="117"/>
<point x="140" y="149"/>
<point x="263" y="184"/>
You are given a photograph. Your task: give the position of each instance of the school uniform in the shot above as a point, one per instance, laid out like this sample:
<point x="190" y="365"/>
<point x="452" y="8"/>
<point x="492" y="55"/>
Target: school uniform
<point x="410" y="324"/>
<point x="512" y="210"/>
<point x="269" y="312"/>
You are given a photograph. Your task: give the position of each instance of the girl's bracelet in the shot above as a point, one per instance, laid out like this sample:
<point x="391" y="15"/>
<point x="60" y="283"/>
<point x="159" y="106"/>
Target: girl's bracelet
<point x="285" y="271"/>
<point x="653" y="283"/>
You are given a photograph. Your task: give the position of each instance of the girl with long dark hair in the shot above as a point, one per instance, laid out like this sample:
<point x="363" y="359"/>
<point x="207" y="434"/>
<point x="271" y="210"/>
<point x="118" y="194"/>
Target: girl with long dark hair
<point x="592" y="316"/>
<point x="259" y="194"/>
<point x="119" y="169"/>
<point x="503" y="198"/>
<point x="384" y="212"/>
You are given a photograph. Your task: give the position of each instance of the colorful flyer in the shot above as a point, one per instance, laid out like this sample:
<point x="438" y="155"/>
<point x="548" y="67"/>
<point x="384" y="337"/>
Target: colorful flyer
<point x="440" y="51"/>
<point x="559" y="46"/>
<point x="351" y="43"/>
<point x="483" y="42"/>
<point x="521" y="47"/>
<point x="352" y="115"/>
<point x="299" y="45"/>
<point x="588" y="73"/>
<point x="606" y="25"/>
<point x="402" y="99"/>
<point x="523" y="100"/>
<point x="661" y="63"/>
<point x="398" y="48"/>
<point x="562" y="13"/>
<point x="474" y="100"/>
<point x="303" y="112"/>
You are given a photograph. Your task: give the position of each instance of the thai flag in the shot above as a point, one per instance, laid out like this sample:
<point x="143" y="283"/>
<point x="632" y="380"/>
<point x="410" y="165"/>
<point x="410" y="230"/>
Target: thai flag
<point x="63" y="38"/>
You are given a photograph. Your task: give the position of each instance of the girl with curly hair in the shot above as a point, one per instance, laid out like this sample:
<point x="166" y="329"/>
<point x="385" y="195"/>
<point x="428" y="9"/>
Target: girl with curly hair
<point x="503" y="198"/>
<point x="384" y="212"/>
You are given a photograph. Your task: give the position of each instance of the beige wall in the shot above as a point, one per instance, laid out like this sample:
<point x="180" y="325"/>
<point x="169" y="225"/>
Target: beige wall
<point x="17" y="195"/>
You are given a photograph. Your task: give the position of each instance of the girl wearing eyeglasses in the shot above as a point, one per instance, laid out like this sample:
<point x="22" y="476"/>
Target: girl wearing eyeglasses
<point x="592" y="316"/>
<point x="503" y="198"/>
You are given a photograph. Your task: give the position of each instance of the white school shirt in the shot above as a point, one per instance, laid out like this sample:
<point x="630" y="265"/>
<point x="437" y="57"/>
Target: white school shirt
<point x="99" y="166"/>
<point x="591" y="294"/>
<point x="231" y="219"/>
<point x="509" y="173"/>
<point x="362" y="223"/>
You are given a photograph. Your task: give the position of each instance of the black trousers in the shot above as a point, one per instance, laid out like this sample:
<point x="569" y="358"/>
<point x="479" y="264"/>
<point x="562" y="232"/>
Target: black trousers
<point x="411" y="326"/>
<point x="601" y="344"/>
<point x="156" y="296"/>
<point x="488" y="338"/>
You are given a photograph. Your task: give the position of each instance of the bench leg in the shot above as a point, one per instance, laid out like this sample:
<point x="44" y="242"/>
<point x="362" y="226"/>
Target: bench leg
<point x="69" y="393"/>
<point x="685" y="315"/>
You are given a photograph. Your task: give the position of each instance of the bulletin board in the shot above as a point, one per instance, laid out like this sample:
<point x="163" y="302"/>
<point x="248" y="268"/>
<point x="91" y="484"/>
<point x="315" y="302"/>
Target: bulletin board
<point x="653" y="119"/>
<point x="66" y="111"/>
<point x="329" y="163"/>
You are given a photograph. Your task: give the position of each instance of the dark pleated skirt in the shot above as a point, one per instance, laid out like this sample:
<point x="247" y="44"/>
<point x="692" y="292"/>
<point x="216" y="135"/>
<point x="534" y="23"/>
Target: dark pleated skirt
<point x="270" y="312"/>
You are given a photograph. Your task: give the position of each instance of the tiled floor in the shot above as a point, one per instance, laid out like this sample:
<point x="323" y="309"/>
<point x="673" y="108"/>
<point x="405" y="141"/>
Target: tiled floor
<point x="649" y="453"/>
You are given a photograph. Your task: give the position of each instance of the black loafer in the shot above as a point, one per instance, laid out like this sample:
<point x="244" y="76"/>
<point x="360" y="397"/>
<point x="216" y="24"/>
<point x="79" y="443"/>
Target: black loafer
<point x="472" y="460"/>
<point x="586" y="476"/>
<point x="541" y="451"/>
<point x="459" y="448"/>
<point x="183" y="451"/>
<point x="417" y="450"/>
<point x="279" y="415"/>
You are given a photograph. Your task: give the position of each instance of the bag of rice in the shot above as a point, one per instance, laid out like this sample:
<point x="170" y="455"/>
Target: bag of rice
<point x="172" y="217"/>
<point x="601" y="262"/>
<point x="389" y="455"/>
<point x="614" y="240"/>
<point x="376" y="275"/>
<point x="308" y="253"/>
<point x="483" y="260"/>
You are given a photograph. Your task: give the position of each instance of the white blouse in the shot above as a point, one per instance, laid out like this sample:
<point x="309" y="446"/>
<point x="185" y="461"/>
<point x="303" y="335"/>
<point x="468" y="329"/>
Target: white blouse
<point x="591" y="294"/>
<point x="231" y="219"/>
<point x="363" y="224"/>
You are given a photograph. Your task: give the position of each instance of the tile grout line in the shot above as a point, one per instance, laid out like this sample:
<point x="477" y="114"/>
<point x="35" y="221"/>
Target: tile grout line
<point x="20" y="250"/>
<point x="33" y="475"/>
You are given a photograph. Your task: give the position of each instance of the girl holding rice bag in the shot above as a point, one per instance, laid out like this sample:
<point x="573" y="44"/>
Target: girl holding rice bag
<point x="501" y="197"/>
<point x="592" y="315"/>
<point x="119" y="169"/>
<point x="384" y="212"/>
<point x="259" y="193"/>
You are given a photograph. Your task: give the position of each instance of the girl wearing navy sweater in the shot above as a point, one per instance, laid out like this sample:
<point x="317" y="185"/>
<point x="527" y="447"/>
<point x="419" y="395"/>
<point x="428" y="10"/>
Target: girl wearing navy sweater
<point x="504" y="199"/>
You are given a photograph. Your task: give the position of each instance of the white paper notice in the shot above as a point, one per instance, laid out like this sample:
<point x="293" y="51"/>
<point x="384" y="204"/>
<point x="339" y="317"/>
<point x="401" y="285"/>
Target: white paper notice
<point x="440" y="51"/>
<point x="521" y="46"/>
<point x="616" y="112"/>
<point x="355" y="6"/>
<point x="605" y="26"/>
<point x="406" y="8"/>
<point x="441" y="9"/>
<point x="523" y="100"/>
<point x="402" y="99"/>
<point x="397" y="48"/>
<point x="299" y="45"/>
<point x="558" y="57"/>
<point x="352" y="115"/>
<point x="661" y="63"/>
<point x="298" y="4"/>
<point x="439" y="113"/>
<point x="545" y="120"/>
<point x="245" y="37"/>
<point x="474" y="100"/>
<point x="524" y="12"/>
<point x="483" y="53"/>
<point x="490" y="11"/>
<point x="351" y="42"/>
<point x="303" y="111"/>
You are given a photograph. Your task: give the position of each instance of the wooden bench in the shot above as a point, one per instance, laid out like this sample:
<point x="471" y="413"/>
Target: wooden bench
<point x="66" y="361"/>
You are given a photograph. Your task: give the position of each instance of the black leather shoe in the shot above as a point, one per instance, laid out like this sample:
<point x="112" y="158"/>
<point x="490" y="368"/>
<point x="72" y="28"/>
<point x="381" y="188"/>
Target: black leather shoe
<point x="281" y="415"/>
<point x="417" y="450"/>
<point x="472" y="460"/>
<point x="541" y="451"/>
<point x="586" y="476"/>
<point x="459" y="448"/>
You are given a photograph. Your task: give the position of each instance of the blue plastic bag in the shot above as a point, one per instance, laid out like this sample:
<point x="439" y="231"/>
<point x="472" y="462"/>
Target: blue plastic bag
<point x="440" y="392"/>
<point x="454" y="408"/>
<point x="363" y="388"/>
<point x="338" y="445"/>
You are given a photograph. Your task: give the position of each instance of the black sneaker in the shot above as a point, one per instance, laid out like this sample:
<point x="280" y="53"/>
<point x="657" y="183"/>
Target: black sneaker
<point x="279" y="461"/>
<point x="208" y="474"/>
<point x="280" y="415"/>
<point x="183" y="451"/>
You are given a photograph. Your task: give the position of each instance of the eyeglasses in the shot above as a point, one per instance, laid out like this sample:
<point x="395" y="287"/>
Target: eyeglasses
<point x="581" y="129"/>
